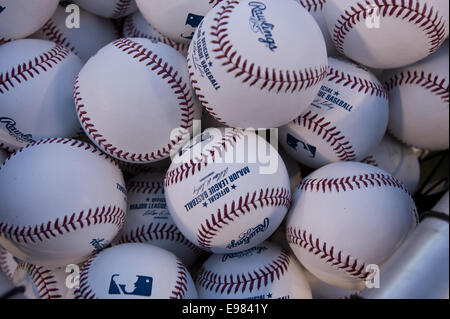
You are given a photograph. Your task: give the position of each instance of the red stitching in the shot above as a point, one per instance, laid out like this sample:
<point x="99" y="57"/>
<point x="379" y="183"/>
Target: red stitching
<point x="215" y="2"/>
<point x="251" y="73"/>
<point x="185" y="170"/>
<point x="180" y="288"/>
<point x="428" y="81"/>
<point x="121" y="8"/>
<point x="65" y="141"/>
<point x="370" y="160"/>
<point x="163" y="69"/>
<point x="51" y="229"/>
<point x="4" y="265"/>
<point x="330" y="254"/>
<point x="364" y="85"/>
<point x="323" y="128"/>
<point x="157" y="231"/>
<point x="145" y="187"/>
<point x="342" y="184"/>
<point x="214" y="224"/>
<point x="53" y="33"/>
<point x="43" y="279"/>
<point x="263" y="276"/>
<point x="131" y="31"/>
<point x="313" y="5"/>
<point x="32" y="68"/>
<point x="84" y="291"/>
<point x="427" y="18"/>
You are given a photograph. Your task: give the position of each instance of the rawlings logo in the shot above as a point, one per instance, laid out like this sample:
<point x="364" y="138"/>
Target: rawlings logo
<point x="248" y="252"/>
<point x="245" y="237"/>
<point x="10" y="125"/>
<point x="259" y="24"/>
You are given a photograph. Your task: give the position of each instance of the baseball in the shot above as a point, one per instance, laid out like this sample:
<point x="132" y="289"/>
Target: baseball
<point x="155" y="91"/>
<point x="8" y="263"/>
<point x="398" y="160"/>
<point x="135" y="271"/>
<point x="93" y="33"/>
<point x="108" y="8"/>
<point x="176" y="19"/>
<point x="36" y="92"/>
<point x="387" y="34"/>
<point x="263" y="272"/>
<point x="20" y="18"/>
<point x="43" y="283"/>
<point x="322" y="290"/>
<point x="223" y="198"/>
<point x="135" y="26"/>
<point x="148" y="219"/>
<point x="346" y="217"/>
<point x="346" y="120"/>
<point x="315" y="8"/>
<point x="419" y="96"/>
<point x="80" y="196"/>
<point x="247" y="75"/>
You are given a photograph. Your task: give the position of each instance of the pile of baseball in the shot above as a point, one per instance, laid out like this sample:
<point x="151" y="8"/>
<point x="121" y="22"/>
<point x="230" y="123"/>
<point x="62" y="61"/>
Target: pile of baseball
<point x="139" y="143"/>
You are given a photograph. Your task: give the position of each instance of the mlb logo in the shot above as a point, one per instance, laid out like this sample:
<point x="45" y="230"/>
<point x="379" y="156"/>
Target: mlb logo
<point x="142" y="286"/>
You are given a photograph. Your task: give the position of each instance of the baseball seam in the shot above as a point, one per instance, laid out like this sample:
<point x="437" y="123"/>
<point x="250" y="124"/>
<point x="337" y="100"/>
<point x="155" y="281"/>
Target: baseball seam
<point x="44" y="280"/>
<point x="181" y="282"/>
<point x="31" y="69"/>
<point x="313" y="5"/>
<point x="157" y="231"/>
<point x="428" y="81"/>
<point x="54" y="34"/>
<point x="145" y="187"/>
<point x="330" y="134"/>
<point x="132" y="31"/>
<point x="215" y="2"/>
<point x="121" y="8"/>
<point x="362" y="85"/>
<point x="370" y="160"/>
<point x="185" y="170"/>
<point x="84" y="291"/>
<point x="166" y="72"/>
<point x="427" y="18"/>
<point x="347" y="263"/>
<point x="209" y="229"/>
<point x="4" y="264"/>
<point x="60" y="226"/>
<point x="248" y="281"/>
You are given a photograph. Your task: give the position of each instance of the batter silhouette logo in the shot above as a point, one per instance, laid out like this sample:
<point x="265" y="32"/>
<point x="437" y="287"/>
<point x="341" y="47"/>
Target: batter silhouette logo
<point x="293" y="142"/>
<point x="2" y="8"/>
<point x="142" y="286"/>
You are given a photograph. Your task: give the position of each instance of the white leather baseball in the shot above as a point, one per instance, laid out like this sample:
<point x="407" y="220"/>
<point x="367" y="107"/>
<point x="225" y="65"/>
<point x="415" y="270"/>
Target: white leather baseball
<point x="140" y="117"/>
<point x="135" y="271"/>
<point x="93" y="34"/>
<point x="20" y="18"/>
<point x="8" y="263"/>
<point x="315" y="8"/>
<point x="398" y="160"/>
<point x="148" y="219"/>
<point x="108" y="8"/>
<point x="47" y="227"/>
<point x="419" y="102"/>
<point x="135" y="26"/>
<point x="346" y="120"/>
<point x="176" y="19"/>
<point x="247" y="75"/>
<point x="387" y="34"/>
<point x="36" y="95"/>
<point x="293" y="168"/>
<point x="43" y="282"/>
<point x="219" y="194"/>
<point x="346" y="216"/>
<point x="263" y="272"/>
